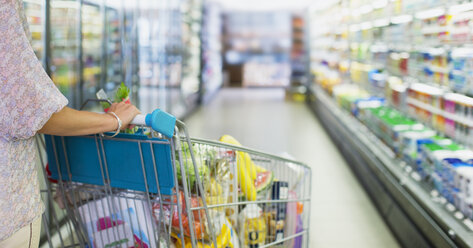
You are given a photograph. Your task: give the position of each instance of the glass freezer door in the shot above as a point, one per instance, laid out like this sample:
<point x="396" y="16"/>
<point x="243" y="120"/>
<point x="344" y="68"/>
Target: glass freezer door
<point x="64" y="45"/>
<point x="92" y="40"/>
<point x="34" y="11"/>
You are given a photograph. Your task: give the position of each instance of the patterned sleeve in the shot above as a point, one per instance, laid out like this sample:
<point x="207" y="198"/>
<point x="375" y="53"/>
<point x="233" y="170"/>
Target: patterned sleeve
<point x="28" y="96"/>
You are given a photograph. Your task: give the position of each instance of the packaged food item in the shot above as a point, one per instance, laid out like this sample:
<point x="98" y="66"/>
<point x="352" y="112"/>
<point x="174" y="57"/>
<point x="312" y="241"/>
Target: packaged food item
<point x="126" y="226"/>
<point x="202" y="157"/>
<point x="168" y="212"/>
<point x="252" y="226"/>
<point x="224" y="171"/>
<point x="412" y="142"/>
<point x="290" y="227"/>
<point x="277" y="212"/>
<point x="227" y="238"/>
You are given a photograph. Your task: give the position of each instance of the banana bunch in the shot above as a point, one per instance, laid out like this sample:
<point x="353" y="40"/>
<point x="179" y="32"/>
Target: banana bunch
<point x="247" y="170"/>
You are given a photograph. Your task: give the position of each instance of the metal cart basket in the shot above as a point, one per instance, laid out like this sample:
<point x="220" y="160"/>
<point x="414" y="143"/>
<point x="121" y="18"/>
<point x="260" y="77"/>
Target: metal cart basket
<point x="159" y="188"/>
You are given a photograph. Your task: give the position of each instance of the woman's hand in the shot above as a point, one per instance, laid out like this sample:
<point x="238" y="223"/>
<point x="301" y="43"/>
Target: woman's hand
<point x="126" y="112"/>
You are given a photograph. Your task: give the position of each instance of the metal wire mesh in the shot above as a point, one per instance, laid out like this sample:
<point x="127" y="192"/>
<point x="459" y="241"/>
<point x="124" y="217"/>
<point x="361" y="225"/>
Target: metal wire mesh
<point x="223" y="196"/>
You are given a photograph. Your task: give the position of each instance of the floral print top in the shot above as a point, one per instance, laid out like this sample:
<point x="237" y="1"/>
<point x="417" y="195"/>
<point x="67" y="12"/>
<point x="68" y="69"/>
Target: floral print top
<point x="28" y="98"/>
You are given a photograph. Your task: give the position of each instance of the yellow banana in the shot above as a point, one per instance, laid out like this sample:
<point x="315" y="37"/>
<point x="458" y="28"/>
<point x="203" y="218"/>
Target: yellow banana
<point x="243" y="157"/>
<point x="246" y="170"/>
<point x="223" y="239"/>
<point x="246" y="184"/>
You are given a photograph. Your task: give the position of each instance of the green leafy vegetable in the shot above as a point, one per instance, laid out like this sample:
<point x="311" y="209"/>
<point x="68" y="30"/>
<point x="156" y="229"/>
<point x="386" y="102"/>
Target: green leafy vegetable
<point x="201" y="159"/>
<point x="122" y="93"/>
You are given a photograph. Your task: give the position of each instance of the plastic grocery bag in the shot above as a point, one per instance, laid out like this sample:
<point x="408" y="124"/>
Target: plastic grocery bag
<point x="118" y="222"/>
<point x="168" y="213"/>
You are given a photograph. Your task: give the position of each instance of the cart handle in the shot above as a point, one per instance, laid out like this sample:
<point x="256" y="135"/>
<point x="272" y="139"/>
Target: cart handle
<point x="158" y="120"/>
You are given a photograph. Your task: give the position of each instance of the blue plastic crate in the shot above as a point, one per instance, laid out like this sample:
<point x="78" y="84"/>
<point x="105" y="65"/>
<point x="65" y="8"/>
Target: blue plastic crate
<point x="122" y="155"/>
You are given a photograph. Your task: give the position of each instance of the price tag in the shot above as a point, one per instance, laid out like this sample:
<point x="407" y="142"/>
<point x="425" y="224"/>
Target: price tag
<point x="434" y="193"/>
<point x="459" y="215"/>
<point x="402" y="164"/>
<point x="416" y="176"/>
<point x="468" y="223"/>
<point x="443" y="200"/>
<point x="408" y="169"/>
<point x="450" y="207"/>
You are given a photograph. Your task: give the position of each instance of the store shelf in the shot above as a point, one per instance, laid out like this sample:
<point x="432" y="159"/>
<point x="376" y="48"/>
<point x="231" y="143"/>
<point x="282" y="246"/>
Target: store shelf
<point x="438" y="111"/>
<point x="415" y="213"/>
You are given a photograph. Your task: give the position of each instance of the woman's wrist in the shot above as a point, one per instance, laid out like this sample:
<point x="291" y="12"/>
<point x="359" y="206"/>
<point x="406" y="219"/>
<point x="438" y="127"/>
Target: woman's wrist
<point x="111" y="123"/>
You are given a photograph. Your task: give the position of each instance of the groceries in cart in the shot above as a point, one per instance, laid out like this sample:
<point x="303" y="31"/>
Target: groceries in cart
<point x="140" y="190"/>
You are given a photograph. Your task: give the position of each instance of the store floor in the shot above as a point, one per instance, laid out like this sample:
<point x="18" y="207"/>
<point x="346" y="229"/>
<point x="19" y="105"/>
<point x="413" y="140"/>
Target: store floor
<point x="341" y="214"/>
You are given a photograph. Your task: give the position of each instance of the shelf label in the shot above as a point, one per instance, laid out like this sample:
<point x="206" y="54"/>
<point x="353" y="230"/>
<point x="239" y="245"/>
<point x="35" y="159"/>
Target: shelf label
<point x="416" y="176"/>
<point x="468" y="223"/>
<point x="459" y="215"/>
<point x="450" y="207"/>
<point x="434" y="193"/>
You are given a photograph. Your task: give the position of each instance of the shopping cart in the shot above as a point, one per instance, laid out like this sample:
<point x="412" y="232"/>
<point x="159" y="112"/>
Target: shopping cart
<point x="159" y="188"/>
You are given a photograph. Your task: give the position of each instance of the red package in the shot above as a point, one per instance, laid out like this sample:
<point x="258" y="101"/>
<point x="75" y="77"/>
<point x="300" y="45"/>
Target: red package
<point x="168" y="209"/>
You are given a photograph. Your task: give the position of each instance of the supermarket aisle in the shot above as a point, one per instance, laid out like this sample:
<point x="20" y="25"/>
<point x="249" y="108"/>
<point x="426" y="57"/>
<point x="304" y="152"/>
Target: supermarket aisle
<point x="342" y="215"/>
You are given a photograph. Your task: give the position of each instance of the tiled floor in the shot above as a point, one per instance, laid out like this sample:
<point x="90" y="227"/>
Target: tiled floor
<point x="342" y="214"/>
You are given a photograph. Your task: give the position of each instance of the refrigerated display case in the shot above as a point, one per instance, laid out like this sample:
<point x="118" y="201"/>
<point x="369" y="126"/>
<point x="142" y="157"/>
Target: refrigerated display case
<point x="92" y="23"/>
<point x="113" y="58"/>
<point x="153" y="47"/>
<point x="34" y="12"/>
<point x="391" y="88"/>
<point x="64" y="48"/>
<point x="212" y="77"/>
<point x="191" y="21"/>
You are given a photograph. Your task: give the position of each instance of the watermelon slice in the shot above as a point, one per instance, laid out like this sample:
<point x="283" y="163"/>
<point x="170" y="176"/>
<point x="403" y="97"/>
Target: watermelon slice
<point x="262" y="182"/>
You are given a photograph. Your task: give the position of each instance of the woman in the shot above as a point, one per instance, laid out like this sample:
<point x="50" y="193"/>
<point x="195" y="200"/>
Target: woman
<point x="30" y="103"/>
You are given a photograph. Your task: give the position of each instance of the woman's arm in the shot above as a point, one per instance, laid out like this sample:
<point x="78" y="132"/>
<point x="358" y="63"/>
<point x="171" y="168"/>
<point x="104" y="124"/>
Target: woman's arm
<point x="70" y="122"/>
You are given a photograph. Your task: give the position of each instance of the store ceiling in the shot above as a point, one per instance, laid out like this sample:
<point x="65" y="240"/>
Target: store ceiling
<point x="265" y="5"/>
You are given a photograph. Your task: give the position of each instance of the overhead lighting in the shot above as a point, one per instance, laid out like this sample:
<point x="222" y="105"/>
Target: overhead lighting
<point x="365" y="25"/>
<point x="355" y="28"/>
<point x="365" y="9"/>
<point x="401" y="19"/>
<point x="430" y="13"/>
<point x="460" y="8"/>
<point x="380" y="4"/>
<point x="381" y="23"/>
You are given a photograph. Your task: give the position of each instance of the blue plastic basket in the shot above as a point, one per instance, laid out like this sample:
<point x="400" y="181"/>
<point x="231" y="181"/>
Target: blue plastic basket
<point x="126" y="168"/>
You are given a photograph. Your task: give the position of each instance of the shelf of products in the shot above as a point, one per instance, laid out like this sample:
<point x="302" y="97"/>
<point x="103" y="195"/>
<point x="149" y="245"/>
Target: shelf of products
<point x="92" y="40"/>
<point x="420" y="213"/>
<point x="96" y="45"/>
<point x="257" y="48"/>
<point x="64" y="45"/>
<point x="401" y="71"/>
<point x="298" y="51"/>
<point x="212" y="77"/>
<point x="34" y="12"/>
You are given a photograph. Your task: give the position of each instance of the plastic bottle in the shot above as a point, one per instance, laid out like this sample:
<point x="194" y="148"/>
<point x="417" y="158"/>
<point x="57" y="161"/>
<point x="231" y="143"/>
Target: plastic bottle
<point x="300" y="225"/>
